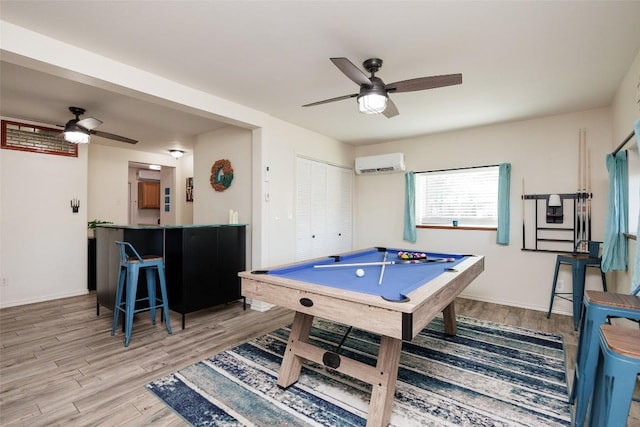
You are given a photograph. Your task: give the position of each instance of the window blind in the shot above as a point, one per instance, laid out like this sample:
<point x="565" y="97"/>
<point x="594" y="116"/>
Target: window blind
<point x="469" y="196"/>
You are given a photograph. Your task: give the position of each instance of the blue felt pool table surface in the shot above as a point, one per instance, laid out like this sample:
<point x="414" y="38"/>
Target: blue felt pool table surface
<point x="338" y="294"/>
<point x="397" y="282"/>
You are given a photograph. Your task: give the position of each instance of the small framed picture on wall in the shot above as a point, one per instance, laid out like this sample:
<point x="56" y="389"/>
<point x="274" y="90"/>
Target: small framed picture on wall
<point x="190" y="189"/>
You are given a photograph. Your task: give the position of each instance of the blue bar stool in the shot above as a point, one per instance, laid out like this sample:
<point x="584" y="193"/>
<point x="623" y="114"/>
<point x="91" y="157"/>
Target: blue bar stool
<point x="579" y="262"/>
<point x="598" y="307"/>
<point x="130" y="265"/>
<point x="618" y="368"/>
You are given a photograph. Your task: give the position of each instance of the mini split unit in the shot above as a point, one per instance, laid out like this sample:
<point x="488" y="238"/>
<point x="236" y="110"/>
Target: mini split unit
<point x="147" y="175"/>
<point x="383" y="163"/>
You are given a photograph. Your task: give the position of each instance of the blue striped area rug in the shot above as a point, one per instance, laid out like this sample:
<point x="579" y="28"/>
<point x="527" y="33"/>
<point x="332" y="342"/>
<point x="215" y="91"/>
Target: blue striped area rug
<point x="487" y="375"/>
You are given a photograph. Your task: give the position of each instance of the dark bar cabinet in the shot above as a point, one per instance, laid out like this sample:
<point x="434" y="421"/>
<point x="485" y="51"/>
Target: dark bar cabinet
<point x="201" y="262"/>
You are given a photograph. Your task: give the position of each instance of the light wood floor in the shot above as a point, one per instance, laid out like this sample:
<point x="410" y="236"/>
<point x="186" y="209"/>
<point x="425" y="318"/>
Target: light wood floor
<point x="59" y="365"/>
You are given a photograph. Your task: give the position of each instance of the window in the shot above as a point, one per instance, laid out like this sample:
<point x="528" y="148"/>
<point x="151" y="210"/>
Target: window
<point x="469" y="196"/>
<point x="37" y="139"/>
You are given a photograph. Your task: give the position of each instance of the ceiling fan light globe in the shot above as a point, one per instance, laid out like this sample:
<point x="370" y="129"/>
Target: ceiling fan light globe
<point x="76" y="137"/>
<point x="372" y="103"/>
<point x="75" y="134"/>
<point x="176" y="154"/>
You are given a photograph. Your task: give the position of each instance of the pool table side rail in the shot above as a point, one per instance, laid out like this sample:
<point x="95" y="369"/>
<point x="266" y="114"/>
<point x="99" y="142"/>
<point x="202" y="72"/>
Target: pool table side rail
<point x="284" y="283"/>
<point x="318" y="260"/>
<point x="364" y="311"/>
<point x="367" y="317"/>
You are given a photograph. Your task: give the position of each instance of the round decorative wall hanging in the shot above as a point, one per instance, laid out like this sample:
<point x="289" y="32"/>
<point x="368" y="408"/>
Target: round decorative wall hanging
<point x="221" y="175"/>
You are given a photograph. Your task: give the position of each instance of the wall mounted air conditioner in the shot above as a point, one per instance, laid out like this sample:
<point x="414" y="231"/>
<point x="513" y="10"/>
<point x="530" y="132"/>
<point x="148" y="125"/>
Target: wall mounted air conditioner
<point x="383" y="163"/>
<point x="148" y="175"/>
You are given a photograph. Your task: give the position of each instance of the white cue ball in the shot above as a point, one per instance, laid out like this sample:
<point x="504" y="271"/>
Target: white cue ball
<point x="359" y="272"/>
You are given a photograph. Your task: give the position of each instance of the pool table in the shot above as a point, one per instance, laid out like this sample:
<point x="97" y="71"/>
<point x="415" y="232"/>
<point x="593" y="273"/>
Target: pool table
<point x="394" y="299"/>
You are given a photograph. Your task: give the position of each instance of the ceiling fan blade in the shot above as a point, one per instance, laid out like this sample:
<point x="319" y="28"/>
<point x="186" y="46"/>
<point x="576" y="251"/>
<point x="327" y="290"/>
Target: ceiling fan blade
<point x="113" y="137"/>
<point x="351" y="71"/>
<point x="422" y="83"/>
<point x="391" y="110"/>
<point x="326" y="101"/>
<point x="89" y="123"/>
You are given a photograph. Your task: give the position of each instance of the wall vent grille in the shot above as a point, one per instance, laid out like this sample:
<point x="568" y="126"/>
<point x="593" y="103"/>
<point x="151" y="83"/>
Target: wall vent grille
<point x="35" y="139"/>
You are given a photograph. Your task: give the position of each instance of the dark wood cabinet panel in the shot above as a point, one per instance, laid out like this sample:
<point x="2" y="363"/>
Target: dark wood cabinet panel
<point x="148" y="195"/>
<point x="192" y="260"/>
<point x="231" y="243"/>
<point x="201" y="262"/>
<point x="91" y="264"/>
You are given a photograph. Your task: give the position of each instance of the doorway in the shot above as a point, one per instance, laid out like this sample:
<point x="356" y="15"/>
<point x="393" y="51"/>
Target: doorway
<point x="151" y="194"/>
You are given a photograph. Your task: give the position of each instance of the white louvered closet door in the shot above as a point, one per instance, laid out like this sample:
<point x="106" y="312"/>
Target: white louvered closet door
<point x="323" y="209"/>
<point x="339" y="209"/>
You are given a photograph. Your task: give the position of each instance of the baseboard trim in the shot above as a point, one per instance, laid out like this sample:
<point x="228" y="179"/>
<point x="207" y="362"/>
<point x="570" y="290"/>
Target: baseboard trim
<point x="7" y="304"/>
<point x="513" y="304"/>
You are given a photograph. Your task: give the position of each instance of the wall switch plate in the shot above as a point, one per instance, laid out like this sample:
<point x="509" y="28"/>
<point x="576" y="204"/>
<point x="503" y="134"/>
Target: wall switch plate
<point x="560" y="286"/>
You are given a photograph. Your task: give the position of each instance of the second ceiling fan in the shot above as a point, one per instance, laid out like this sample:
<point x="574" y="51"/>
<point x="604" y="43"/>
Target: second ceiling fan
<point x="373" y="97"/>
<point x="78" y="130"/>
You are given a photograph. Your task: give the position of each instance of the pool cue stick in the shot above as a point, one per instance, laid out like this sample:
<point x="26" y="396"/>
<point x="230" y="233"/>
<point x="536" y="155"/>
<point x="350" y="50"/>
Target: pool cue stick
<point x="589" y="195"/>
<point x="580" y="193"/>
<point x="523" y="239"/>
<point x="582" y="189"/>
<point x="354" y="264"/>
<point x="384" y="260"/>
<point x="584" y="184"/>
<point x="399" y="262"/>
<point x="577" y="219"/>
<point x="579" y="186"/>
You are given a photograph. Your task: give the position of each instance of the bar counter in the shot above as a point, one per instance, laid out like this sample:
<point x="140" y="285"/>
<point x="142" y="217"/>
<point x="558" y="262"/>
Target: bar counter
<point x="201" y="262"/>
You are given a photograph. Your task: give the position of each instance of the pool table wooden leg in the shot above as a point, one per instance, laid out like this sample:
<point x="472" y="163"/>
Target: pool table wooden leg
<point x="383" y="390"/>
<point x="291" y="362"/>
<point x="383" y="377"/>
<point x="449" y="317"/>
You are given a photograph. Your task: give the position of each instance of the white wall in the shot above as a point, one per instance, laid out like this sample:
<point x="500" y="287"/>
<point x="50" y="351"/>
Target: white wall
<point x="211" y="206"/>
<point x="108" y="179"/>
<point x="43" y="244"/>
<point x="282" y="142"/>
<point x="263" y="199"/>
<point x="278" y="144"/>
<point x="625" y="106"/>
<point x="274" y="149"/>
<point x="168" y="183"/>
<point x="184" y="209"/>
<point x="542" y="151"/>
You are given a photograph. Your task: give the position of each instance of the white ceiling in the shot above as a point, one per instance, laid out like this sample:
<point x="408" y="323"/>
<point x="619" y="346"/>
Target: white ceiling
<point x="519" y="59"/>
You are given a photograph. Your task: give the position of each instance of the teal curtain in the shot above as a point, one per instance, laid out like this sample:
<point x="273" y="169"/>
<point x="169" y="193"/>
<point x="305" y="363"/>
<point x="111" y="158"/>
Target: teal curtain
<point x="614" y="255"/>
<point x="504" y="187"/>
<point x="635" y="281"/>
<point x="410" y="207"/>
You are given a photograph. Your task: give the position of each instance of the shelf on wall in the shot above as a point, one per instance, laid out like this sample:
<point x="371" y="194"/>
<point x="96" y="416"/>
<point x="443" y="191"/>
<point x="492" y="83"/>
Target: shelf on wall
<point x="548" y="238"/>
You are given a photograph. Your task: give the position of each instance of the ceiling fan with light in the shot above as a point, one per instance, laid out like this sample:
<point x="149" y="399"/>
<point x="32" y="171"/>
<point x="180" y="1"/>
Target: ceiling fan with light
<point x="78" y="131"/>
<point x="373" y="97"/>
